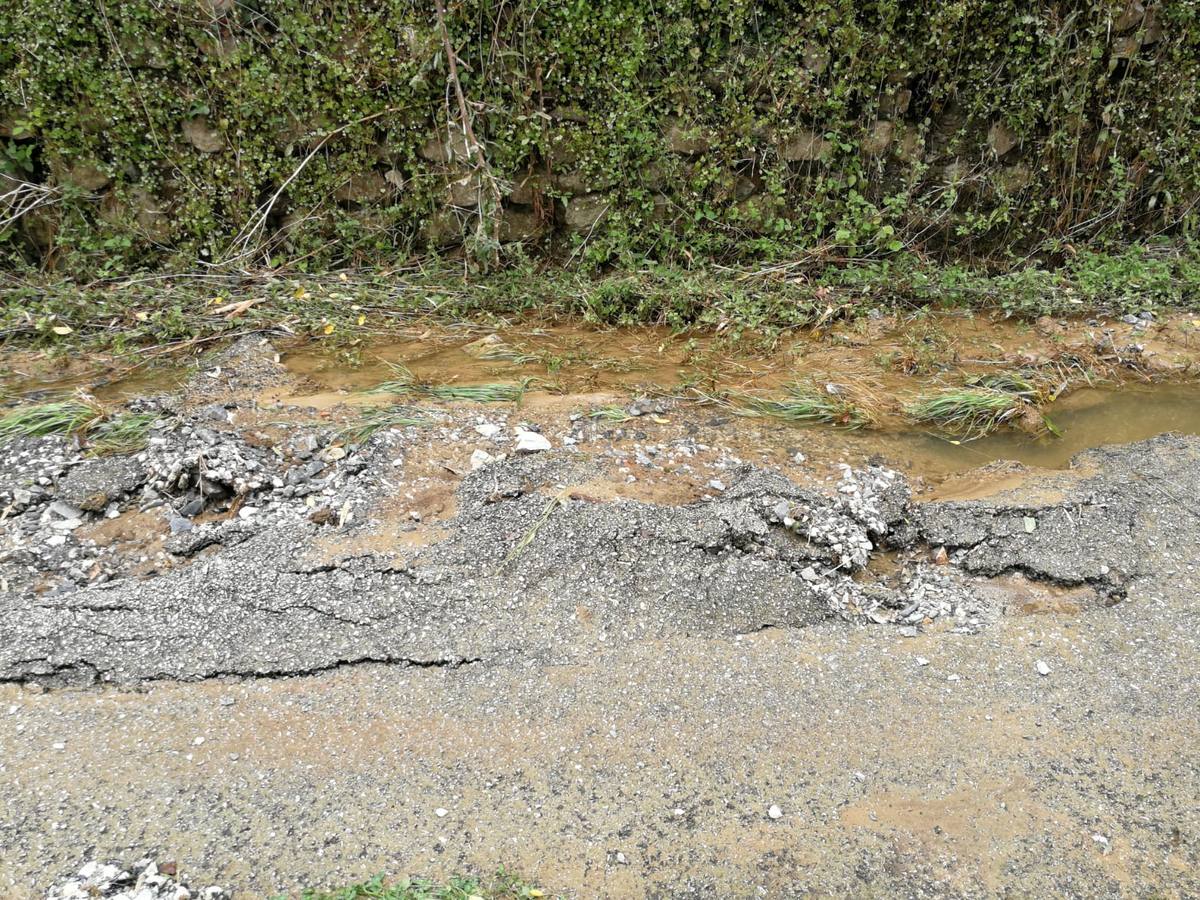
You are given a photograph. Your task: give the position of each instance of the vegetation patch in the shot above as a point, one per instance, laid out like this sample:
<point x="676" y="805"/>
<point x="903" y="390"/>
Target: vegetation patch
<point x="73" y="416"/>
<point x="809" y="405"/>
<point x="501" y="887"/>
<point x="405" y="383"/>
<point x="379" y="419"/>
<point x="83" y="418"/>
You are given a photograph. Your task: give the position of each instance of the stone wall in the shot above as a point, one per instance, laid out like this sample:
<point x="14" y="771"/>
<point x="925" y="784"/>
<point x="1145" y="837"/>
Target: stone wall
<point x="324" y="132"/>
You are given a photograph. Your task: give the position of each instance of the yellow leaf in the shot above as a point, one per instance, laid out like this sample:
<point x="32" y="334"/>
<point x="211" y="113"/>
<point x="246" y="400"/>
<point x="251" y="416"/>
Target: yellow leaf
<point x="142" y="316"/>
<point x="659" y="420"/>
<point x="62" y="329"/>
<point x="329" y="329"/>
<point x="534" y="892"/>
<point x="300" y="293"/>
<point x="361" y="318"/>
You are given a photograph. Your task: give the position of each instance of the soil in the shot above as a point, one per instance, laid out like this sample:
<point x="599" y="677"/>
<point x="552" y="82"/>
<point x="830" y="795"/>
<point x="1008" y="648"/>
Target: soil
<point x="607" y="662"/>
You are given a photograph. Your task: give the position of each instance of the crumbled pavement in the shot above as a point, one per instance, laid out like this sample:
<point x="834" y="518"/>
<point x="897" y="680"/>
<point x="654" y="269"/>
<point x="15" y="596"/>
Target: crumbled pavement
<point x="144" y="880"/>
<point x="756" y="686"/>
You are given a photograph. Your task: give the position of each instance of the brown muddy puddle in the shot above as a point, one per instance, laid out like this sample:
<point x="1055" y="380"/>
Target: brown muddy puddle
<point x="571" y="362"/>
<point x="574" y="368"/>
<point x="1087" y="418"/>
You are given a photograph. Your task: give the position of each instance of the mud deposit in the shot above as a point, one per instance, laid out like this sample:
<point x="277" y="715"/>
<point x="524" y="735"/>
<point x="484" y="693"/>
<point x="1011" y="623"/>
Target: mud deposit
<point x="663" y="652"/>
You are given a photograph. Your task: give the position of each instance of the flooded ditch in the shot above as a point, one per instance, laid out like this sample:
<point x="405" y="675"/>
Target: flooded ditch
<point x="1126" y="384"/>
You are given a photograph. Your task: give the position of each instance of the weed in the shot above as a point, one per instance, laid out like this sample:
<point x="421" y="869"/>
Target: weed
<point x="502" y="887"/>
<point x="125" y="433"/>
<point x="807" y="405"/>
<point x="379" y="419"/>
<point x="611" y="413"/>
<point x="970" y="412"/>
<point x="405" y="383"/>
<point x="73" y="416"/>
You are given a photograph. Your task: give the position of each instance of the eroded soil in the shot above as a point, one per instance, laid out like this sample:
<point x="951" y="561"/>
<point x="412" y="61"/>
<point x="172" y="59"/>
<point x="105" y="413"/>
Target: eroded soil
<point x="604" y="663"/>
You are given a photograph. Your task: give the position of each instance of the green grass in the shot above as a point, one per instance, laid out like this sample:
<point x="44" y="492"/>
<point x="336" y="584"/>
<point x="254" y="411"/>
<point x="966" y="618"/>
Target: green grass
<point x="808" y="405"/>
<point x="72" y="416"/>
<point x="611" y="413"/>
<point x="345" y="308"/>
<point x="501" y="887"/>
<point x="124" y="433"/>
<point x="405" y="383"/>
<point x="373" y="421"/>
<point x="83" y="417"/>
<point x="970" y="412"/>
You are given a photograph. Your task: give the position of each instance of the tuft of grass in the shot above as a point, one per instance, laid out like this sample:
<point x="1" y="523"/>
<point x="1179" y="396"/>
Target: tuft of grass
<point x="73" y="416"/>
<point x="82" y="417"/>
<point x="611" y="413"/>
<point x="970" y="412"/>
<point x="379" y="419"/>
<point x="807" y="405"/>
<point x="501" y="887"/>
<point x="479" y="393"/>
<point x="405" y="383"/>
<point x="125" y="433"/>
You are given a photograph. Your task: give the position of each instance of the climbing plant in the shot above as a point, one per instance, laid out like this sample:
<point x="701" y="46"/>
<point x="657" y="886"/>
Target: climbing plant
<point x="323" y="133"/>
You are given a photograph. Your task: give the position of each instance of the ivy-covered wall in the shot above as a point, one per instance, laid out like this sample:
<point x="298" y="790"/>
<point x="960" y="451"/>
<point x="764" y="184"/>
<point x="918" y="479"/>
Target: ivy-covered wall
<point x="168" y="133"/>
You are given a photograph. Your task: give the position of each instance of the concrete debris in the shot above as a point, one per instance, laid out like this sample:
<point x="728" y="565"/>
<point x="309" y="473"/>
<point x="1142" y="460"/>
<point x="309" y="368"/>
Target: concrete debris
<point x="144" y="880"/>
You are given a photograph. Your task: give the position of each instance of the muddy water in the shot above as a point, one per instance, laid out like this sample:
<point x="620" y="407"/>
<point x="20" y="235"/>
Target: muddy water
<point x="579" y="367"/>
<point x="1087" y="418"/>
<point x="568" y="362"/>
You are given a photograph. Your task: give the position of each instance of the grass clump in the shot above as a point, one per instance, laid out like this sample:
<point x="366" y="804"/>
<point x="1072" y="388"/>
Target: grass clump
<point x="82" y="417"/>
<point x="125" y="433"/>
<point x="808" y="405"/>
<point x="405" y="383"/>
<point x="970" y="412"/>
<point x="73" y="416"/>
<point x="502" y="887"/>
<point x="372" y="421"/>
<point x="611" y="413"/>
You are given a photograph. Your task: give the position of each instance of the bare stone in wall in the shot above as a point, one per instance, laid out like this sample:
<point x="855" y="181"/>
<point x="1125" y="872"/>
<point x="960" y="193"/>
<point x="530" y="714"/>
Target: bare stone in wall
<point x="662" y="210"/>
<point x="685" y="139"/>
<point x="443" y="229"/>
<point x="908" y="145"/>
<point x="524" y="189"/>
<point x="151" y="214"/>
<point x="582" y="182"/>
<point x="1130" y="16"/>
<point x="804" y="146"/>
<point x="895" y="103"/>
<point x="1015" y="178"/>
<point x="879" y="138"/>
<point x="520" y="225"/>
<point x="1152" y="26"/>
<point x="445" y="148"/>
<point x="202" y="136"/>
<point x="87" y="175"/>
<point x="585" y="212"/>
<point x="465" y="191"/>
<point x="364" y="187"/>
<point x="816" y="59"/>
<point x="1126" y="46"/>
<point x="1001" y="138"/>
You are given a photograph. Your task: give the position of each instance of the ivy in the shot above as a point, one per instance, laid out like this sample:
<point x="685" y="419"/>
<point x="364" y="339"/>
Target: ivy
<point x="967" y="128"/>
